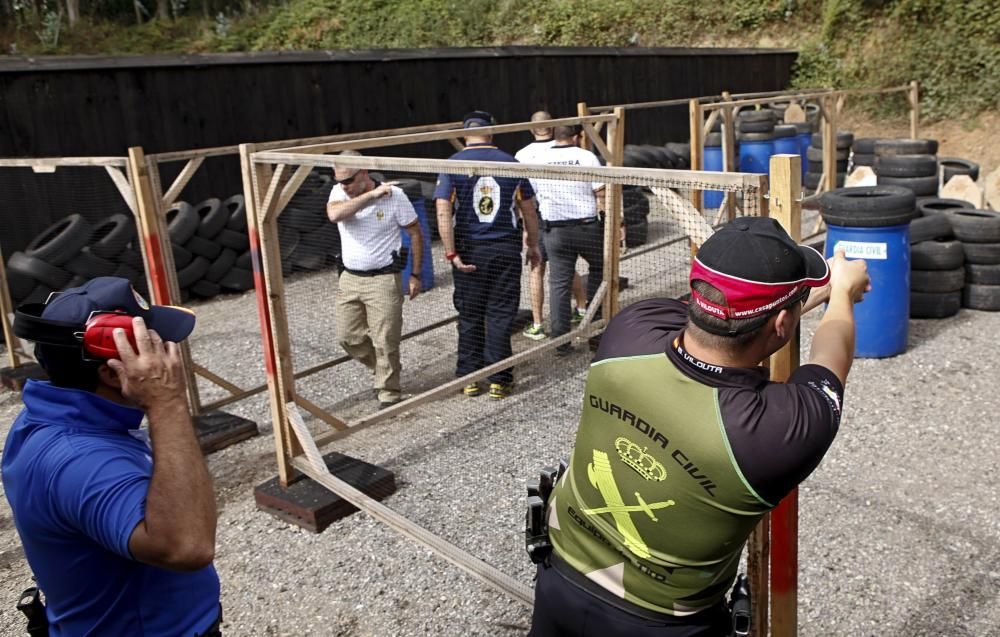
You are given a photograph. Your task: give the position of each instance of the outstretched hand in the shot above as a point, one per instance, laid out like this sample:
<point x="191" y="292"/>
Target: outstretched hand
<point x="151" y="374"/>
<point x="850" y="276"/>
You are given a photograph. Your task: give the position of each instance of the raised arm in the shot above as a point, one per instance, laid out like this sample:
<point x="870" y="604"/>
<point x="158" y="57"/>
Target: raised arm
<point x="833" y="343"/>
<point x="341" y="210"/>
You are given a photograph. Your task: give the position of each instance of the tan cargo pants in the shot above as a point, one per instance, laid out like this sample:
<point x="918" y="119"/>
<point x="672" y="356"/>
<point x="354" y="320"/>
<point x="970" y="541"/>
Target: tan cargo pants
<point x="370" y="326"/>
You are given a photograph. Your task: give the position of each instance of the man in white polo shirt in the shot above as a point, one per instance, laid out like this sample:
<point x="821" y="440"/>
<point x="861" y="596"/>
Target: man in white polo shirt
<point x="370" y="298"/>
<point x="572" y="225"/>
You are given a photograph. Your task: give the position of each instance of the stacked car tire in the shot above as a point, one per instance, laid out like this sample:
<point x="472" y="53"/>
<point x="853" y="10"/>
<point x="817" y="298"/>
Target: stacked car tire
<point x="210" y="246"/>
<point x="635" y="203"/>
<point x="909" y="163"/>
<point x="814" y="158"/>
<point x="937" y="261"/>
<point x="72" y="251"/>
<point x="979" y="232"/>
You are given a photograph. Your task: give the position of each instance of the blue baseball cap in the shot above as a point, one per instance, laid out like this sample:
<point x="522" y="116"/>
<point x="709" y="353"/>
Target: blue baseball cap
<point x="110" y="294"/>
<point x="477" y="118"/>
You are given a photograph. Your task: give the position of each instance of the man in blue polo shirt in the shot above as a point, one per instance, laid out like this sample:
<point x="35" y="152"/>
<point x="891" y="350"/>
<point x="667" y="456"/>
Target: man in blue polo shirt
<point x="477" y="219"/>
<point x="117" y="526"/>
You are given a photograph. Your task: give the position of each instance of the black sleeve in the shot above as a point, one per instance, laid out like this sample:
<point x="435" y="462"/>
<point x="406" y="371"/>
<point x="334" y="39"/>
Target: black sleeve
<point x="642" y="328"/>
<point x="780" y="434"/>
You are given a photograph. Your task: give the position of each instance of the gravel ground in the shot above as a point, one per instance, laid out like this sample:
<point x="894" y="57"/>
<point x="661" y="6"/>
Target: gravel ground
<point x="898" y="527"/>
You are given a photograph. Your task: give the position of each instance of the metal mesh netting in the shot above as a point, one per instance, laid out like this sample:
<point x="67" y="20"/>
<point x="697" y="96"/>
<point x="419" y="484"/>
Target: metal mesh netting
<point x="659" y="223"/>
<point x="65" y="224"/>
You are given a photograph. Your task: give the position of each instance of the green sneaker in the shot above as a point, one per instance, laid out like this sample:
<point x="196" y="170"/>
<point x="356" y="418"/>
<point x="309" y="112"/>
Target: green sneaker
<point x="499" y="391"/>
<point x="472" y="389"/>
<point x="535" y="332"/>
<point x="577" y="316"/>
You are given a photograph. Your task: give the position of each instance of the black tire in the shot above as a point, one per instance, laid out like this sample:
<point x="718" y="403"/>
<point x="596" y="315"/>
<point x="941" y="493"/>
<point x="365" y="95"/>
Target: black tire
<point x="952" y="166"/>
<point x="937" y="280"/>
<point x="761" y="126"/>
<point x="194" y="271"/>
<point x="19" y="285"/>
<point x="233" y="240"/>
<point x="182" y="222"/>
<point x="936" y="205"/>
<point x="632" y="159"/>
<point x="244" y="261"/>
<point x="237" y="220"/>
<point x="712" y="139"/>
<point x="815" y="155"/>
<point x="982" y="274"/>
<point x="205" y="289"/>
<point x="636" y="234"/>
<point x="868" y="206"/>
<point x="981" y="297"/>
<point x="932" y="305"/>
<point x="681" y="150"/>
<point x="132" y="258"/>
<point x="325" y="241"/>
<point x="302" y="219"/>
<point x="863" y="159"/>
<point x="213" y="217"/>
<point x="936" y="255"/>
<point x="844" y="140"/>
<point x="51" y="276"/>
<point x="811" y="180"/>
<point x="39" y="294"/>
<point x="756" y="137"/>
<point x="906" y="147"/>
<point x="984" y="253"/>
<point x="864" y="145"/>
<point x="784" y="130"/>
<point x="237" y="280"/>
<point x="127" y="272"/>
<point x="921" y="186"/>
<point x="182" y="256"/>
<point x="88" y="265"/>
<point x="975" y="226"/>
<point x="202" y="247"/>
<point x="906" y="166"/>
<point x="61" y="241"/>
<point x="222" y="264"/>
<point x="761" y="115"/>
<point x="111" y="236"/>
<point x="926" y="228"/>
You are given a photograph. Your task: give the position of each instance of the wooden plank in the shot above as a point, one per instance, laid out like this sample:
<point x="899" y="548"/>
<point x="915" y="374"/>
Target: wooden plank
<point x="758" y="572"/>
<point x="634" y="106"/>
<point x="290" y="188"/>
<point x="269" y="286"/>
<point x="786" y="207"/>
<point x="829" y="128"/>
<point x="268" y="207"/>
<point x="613" y="216"/>
<point x="595" y="138"/>
<point x="730" y="160"/>
<point x="697" y="145"/>
<point x="218" y="380"/>
<point x="181" y="181"/>
<point x="124" y="188"/>
<point x="583" y="111"/>
<point x="913" y="97"/>
<point x="50" y="164"/>
<point x="320" y="413"/>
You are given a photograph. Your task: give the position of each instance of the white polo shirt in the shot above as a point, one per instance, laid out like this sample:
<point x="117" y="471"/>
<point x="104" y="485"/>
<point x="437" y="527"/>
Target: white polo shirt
<point x="560" y="200"/>
<point x="529" y="154"/>
<point x="368" y="239"/>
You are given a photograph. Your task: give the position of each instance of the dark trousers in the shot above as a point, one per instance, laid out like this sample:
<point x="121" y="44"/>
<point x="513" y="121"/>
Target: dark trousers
<point x="487" y="302"/>
<point x="564" y="244"/>
<point x="563" y="610"/>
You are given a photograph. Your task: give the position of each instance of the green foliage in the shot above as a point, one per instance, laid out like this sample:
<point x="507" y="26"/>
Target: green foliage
<point x="951" y="46"/>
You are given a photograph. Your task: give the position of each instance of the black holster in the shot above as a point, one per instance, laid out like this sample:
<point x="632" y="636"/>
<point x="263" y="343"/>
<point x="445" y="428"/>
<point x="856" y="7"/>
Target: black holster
<point x="536" y="527"/>
<point x="30" y="603"/>
<point x="739" y="606"/>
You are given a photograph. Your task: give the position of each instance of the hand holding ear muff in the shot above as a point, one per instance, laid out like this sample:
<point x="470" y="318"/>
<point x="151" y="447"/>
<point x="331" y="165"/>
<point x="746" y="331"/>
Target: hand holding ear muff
<point x="95" y="337"/>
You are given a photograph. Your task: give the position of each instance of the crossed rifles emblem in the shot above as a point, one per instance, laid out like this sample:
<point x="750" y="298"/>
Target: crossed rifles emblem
<point x="603" y="478"/>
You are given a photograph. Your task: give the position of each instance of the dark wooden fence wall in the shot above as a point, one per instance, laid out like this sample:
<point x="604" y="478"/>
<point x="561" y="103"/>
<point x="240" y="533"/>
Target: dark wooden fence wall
<point x="101" y="106"/>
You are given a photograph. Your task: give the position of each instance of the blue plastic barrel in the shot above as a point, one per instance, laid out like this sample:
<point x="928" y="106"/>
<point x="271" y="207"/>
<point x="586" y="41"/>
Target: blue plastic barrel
<point x="713" y="161"/>
<point x="805" y="140"/>
<point x="427" y="266"/>
<point x="786" y="145"/>
<point x="755" y="156"/>
<point x="883" y="318"/>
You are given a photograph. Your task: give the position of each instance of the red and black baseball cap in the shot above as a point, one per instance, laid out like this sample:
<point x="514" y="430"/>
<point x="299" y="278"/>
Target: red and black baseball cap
<point x="758" y="268"/>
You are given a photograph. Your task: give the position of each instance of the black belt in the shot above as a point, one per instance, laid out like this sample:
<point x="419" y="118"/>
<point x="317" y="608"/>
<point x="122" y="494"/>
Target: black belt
<point x="571" y="222"/>
<point x="389" y="269"/>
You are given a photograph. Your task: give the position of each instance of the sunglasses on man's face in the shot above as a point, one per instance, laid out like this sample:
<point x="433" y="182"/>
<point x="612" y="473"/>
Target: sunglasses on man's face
<point x="349" y="180"/>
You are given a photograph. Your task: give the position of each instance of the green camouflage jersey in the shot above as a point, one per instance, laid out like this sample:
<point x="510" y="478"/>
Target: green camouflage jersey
<point x="676" y="460"/>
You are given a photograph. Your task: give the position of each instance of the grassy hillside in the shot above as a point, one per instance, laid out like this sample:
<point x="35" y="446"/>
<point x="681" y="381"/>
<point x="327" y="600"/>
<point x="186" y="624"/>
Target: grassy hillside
<point x="951" y="46"/>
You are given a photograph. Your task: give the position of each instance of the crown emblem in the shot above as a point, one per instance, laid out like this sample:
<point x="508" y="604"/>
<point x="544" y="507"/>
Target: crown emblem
<point x="639" y="461"/>
<point x="485" y="190"/>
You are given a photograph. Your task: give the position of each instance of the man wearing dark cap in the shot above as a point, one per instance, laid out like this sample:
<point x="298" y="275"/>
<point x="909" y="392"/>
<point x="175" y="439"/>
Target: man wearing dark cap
<point x="477" y="219"/>
<point x="117" y="523"/>
<point x="684" y="443"/>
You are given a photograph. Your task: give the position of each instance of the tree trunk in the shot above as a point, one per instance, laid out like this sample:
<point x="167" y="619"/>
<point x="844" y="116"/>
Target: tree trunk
<point x="163" y="9"/>
<point x="72" y="12"/>
<point x="137" y="5"/>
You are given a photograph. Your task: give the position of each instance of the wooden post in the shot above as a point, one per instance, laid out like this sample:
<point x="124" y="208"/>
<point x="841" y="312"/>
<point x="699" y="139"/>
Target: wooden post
<point x="786" y="207"/>
<point x="829" y="128"/>
<point x="729" y="157"/>
<point x="613" y="215"/>
<point x="913" y="97"/>
<point x="269" y="287"/>
<point x="759" y="574"/>
<point x="6" y="309"/>
<point x="697" y="152"/>
<point x="582" y="110"/>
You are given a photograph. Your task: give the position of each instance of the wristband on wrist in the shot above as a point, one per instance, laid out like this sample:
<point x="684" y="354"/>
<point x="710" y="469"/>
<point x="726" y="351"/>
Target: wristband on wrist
<point x="450" y="256"/>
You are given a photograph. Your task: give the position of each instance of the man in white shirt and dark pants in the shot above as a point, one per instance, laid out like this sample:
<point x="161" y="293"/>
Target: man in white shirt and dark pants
<point x="370" y="297"/>
<point x="572" y="225"/>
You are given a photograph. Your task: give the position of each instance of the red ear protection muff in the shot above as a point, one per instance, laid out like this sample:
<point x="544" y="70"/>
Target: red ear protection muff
<point x="98" y="339"/>
<point x="94" y="337"/>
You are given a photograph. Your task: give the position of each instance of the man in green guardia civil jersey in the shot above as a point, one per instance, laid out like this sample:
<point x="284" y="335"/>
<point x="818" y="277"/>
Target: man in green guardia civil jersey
<point x="684" y="443"/>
